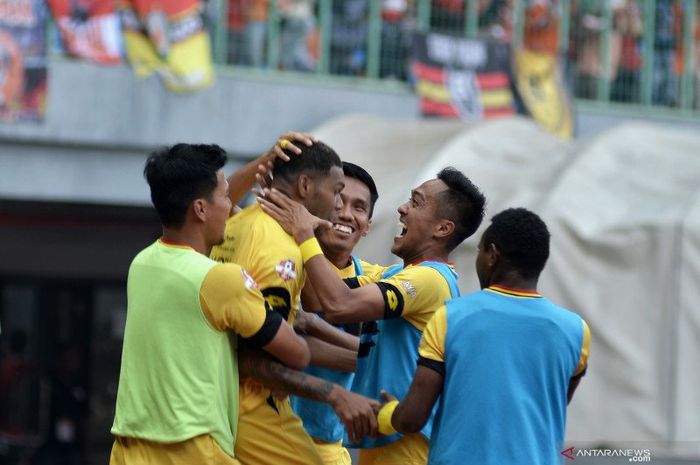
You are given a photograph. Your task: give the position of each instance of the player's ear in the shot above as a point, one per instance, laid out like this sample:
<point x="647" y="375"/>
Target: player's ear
<point x="305" y="186"/>
<point x="199" y="208"/>
<point x="444" y="228"/>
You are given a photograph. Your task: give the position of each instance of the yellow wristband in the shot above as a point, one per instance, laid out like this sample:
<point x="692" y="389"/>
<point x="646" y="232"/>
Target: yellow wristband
<point x="309" y="249"/>
<point x="384" y="418"/>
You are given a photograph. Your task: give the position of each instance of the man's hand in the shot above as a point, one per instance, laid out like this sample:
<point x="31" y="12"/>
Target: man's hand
<point x="356" y="412"/>
<point x="285" y="142"/>
<point x="294" y="218"/>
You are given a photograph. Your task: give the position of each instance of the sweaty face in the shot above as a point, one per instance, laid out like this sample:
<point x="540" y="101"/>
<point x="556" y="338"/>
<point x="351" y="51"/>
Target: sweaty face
<point x="418" y="219"/>
<point x="218" y="208"/>
<point x="351" y="221"/>
<point x="326" y="195"/>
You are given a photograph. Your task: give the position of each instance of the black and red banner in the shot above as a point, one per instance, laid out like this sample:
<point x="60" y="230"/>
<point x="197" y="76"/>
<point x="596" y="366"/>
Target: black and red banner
<point x="462" y="78"/>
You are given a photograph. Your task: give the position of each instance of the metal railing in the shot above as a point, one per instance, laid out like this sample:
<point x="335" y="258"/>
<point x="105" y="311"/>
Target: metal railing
<point x="639" y="52"/>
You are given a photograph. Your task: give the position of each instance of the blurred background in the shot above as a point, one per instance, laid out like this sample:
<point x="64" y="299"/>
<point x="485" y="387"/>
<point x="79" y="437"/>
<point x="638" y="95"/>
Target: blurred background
<point x="568" y="107"/>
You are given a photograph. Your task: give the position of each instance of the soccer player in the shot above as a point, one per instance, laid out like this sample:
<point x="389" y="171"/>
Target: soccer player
<point x="504" y="361"/>
<point x="396" y="304"/>
<point x="350" y="224"/>
<point x="177" y="401"/>
<point x="269" y="431"/>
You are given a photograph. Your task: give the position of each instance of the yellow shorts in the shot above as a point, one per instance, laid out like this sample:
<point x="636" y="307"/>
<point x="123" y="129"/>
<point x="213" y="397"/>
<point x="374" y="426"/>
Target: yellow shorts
<point x="333" y="453"/>
<point x="270" y="435"/>
<point x="411" y="449"/>
<point x="200" y="450"/>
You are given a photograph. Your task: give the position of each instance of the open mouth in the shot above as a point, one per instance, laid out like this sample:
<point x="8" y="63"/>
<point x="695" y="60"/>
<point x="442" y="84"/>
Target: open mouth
<point x="343" y="228"/>
<point x="402" y="229"/>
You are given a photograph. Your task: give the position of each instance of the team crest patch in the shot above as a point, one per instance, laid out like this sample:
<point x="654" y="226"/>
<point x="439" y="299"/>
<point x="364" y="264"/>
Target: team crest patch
<point x="286" y="269"/>
<point x="409" y="288"/>
<point x="248" y="280"/>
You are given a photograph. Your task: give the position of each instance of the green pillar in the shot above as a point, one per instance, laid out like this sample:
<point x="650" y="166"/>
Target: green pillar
<point x="374" y="39"/>
<point x="220" y="34"/>
<point x="648" y="57"/>
<point x="325" y="17"/>
<point x="564" y="26"/>
<point x="687" y="80"/>
<point x="471" y="15"/>
<point x="603" y="89"/>
<point x="519" y="26"/>
<point x="423" y="15"/>
<point x="273" y="35"/>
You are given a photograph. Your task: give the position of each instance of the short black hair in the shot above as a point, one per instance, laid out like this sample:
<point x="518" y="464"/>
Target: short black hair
<point x="463" y="203"/>
<point x="354" y="171"/>
<point x="522" y="238"/>
<point x="180" y="174"/>
<point x="314" y="159"/>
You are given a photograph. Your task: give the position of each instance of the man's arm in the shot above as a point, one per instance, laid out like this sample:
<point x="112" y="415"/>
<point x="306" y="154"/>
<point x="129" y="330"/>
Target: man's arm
<point x="311" y="324"/>
<point x="327" y="355"/>
<point x="573" y="384"/>
<point x="241" y="181"/>
<point x="289" y="348"/>
<point x="356" y="412"/>
<point x="411" y="414"/>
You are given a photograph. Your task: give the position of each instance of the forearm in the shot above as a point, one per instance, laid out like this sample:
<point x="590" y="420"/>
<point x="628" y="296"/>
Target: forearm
<point x="327" y="355"/>
<point x="276" y="376"/>
<point x="321" y="329"/>
<point x="241" y="181"/>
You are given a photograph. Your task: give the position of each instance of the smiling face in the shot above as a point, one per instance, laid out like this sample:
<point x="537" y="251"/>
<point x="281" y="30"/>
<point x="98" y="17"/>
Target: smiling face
<point x="351" y="221"/>
<point x="418" y="219"/>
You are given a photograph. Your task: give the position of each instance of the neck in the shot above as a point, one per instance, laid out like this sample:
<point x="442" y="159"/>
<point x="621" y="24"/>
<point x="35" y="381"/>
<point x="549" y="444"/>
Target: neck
<point x="514" y="280"/>
<point x="340" y="259"/>
<point x="188" y="237"/>
<point x="431" y="252"/>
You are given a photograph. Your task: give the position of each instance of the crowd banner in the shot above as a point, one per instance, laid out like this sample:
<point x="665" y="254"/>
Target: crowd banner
<point x="541" y="88"/>
<point x="168" y="38"/>
<point x="89" y="30"/>
<point x="462" y="78"/>
<point x="22" y="60"/>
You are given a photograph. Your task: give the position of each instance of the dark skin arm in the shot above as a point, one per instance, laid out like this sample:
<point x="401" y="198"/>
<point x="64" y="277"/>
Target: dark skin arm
<point x="339" y="303"/>
<point x="573" y="384"/>
<point x="312" y="325"/>
<point x="414" y="410"/>
<point x="356" y="412"/>
<point x="240" y="182"/>
<point x="331" y="356"/>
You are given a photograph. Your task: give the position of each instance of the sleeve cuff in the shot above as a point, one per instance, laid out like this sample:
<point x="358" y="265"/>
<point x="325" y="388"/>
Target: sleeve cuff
<point x="432" y="364"/>
<point x="267" y="331"/>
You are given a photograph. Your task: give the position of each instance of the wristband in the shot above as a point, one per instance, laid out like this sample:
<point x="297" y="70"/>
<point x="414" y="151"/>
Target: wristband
<point x="309" y="249"/>
<point x="384" y="418"/>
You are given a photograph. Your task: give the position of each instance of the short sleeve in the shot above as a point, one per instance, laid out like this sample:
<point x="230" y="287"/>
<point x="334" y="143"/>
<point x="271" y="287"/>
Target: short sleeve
<point x="432" y="344"/>
<point x="585" y="349"/>
<point x="231" y="301"/>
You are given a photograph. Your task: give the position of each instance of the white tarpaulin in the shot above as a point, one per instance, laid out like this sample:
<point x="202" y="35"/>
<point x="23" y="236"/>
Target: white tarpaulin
<point x="623" y="208"/>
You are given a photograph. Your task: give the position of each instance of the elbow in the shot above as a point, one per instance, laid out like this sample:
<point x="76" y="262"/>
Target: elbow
<point x="407" y="426"/>
<point x="302" y="356"/>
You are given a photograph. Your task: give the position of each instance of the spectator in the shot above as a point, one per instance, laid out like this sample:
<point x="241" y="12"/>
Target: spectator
<point x="628" y="22"/>
<point x="256" y="29"/>
<point x="394" y="46"/>
<point x="664" y="78"/>
<point x="542" y="26"/>
<point x="236" y="46"/>
<point x="349" y="37"/>
<point x="587" y="29"/>
<point x="298" y="23"/>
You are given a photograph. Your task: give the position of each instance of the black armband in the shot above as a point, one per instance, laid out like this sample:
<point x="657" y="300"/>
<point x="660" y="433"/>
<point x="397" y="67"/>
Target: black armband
<point x="433" y="365"/>
<point x="352" y="283"/>
<point x="267" y="331"/>
<point x="393" y="300"/>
